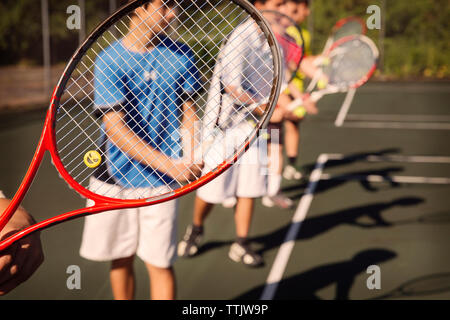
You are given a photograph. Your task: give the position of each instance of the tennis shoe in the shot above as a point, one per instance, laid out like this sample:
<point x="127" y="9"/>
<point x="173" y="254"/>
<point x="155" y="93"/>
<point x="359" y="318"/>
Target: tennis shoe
<point x="291" y="173"/>
<point x="278" y="200"/>
<point x="188" y="247"/>
<point x="243" y="253"/>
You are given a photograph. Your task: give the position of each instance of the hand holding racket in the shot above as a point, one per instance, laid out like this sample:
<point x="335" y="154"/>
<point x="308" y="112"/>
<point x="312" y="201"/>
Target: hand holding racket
<point x="128" y="107"/>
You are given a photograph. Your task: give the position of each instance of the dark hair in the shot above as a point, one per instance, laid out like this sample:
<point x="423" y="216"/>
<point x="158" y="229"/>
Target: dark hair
<point x="262" y="1"/>
<point x="169" y="3"/>
<point x="306" y="2"/>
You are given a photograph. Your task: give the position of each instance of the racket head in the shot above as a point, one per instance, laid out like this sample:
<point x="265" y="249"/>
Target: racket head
<point x="192" y="38"/>
<point x="352" y="61"/>
<point x="348" y="26"/>
<point x="290" y="39"/>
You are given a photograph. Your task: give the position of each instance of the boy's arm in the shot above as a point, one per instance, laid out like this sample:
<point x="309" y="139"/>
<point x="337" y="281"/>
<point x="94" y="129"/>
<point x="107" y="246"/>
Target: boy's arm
<point x="124" y="138"/>
<point x="190" y="129"/>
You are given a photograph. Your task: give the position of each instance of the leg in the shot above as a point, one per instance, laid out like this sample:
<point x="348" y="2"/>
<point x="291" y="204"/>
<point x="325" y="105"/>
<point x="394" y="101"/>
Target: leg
<point x="201" y="211"/>
<point x="188" y="247"/>
<point x="241" y="251"/>
<point x="122" y="278"/>
<point x="243" y="216"/>
<point x="162" y="282"/>
<point x="292" y="139"/>
<point x="292" y="143"/>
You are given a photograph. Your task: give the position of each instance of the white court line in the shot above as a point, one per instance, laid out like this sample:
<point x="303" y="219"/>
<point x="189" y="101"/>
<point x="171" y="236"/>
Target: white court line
<point x="282" y="258"/>
<point x="413" y="159"/>
<point x="409" y="88"/>
<point x="283" y="255"/>
<point x="398" y="125"/>
<point x="343" y="111"/>
<point x="398" y="117"/>
<point x="398" y="179"/>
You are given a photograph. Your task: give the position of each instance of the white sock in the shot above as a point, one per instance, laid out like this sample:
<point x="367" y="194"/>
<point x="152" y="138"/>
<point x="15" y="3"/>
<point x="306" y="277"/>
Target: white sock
<point x="274" y="184"/>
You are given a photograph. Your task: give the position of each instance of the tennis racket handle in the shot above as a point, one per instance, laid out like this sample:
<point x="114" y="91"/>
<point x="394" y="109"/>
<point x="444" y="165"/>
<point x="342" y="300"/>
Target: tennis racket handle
<point x="295" y="104"/>
<point x="316" y="96"/>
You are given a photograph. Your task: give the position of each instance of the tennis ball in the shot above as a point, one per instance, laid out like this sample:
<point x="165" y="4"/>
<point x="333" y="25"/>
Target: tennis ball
<point x="322" y="83"/>
<point x="300" y="112"/>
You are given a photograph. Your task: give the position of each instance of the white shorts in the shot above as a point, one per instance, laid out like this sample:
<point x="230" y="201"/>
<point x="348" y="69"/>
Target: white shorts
<point x="149" y="232"/>
<point x="245" y="179"/>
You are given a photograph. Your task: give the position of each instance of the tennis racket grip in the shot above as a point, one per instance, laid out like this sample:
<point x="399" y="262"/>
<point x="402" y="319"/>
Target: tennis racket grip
<point x="316" y="96"/>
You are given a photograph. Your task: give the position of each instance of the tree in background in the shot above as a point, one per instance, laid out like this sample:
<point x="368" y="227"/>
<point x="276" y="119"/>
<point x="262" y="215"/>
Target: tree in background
<point x="416" y="44"/>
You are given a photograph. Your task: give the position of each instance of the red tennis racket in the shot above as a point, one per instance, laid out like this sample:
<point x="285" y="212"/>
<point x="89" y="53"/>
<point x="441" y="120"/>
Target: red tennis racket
<point x="130" y="106"/>
<point x="345" y="27"/>
<point x="348" y="64"/>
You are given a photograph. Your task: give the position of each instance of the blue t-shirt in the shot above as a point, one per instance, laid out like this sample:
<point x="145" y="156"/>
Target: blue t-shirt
<point x="149" y="87"/>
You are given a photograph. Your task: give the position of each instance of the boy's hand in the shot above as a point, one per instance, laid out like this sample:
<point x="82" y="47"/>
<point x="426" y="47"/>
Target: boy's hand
<point x="22" y="259"/>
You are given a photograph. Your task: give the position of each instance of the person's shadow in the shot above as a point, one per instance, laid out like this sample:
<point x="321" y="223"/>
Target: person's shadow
<point x="338" y="180"/>
<point x="352" y="158"/>
<point x="315" y="226"/>
<point x="305" y="285"/>
<point x="325" y="185"/>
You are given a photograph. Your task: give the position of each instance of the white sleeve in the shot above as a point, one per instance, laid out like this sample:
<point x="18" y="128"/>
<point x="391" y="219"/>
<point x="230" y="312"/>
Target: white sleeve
<point x="233" y="59"/>
<point x="2" y="195"/>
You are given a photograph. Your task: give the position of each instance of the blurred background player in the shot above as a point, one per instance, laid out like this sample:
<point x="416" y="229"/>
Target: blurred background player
<point x="245" y="180"/>
<point x="148" y="232"/>
<point x="285" y="131"/>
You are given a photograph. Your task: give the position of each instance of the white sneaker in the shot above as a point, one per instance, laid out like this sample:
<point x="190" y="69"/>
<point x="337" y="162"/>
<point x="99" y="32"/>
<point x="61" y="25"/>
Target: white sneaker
<point x="290" y="173"/>
<point x="244" y="254"/>
<point x="279" y="201"/>
<point x="229" y="203"/>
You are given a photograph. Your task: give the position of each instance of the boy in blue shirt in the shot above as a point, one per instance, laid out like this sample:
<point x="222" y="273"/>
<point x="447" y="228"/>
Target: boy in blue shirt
<point x="143" y="83"/>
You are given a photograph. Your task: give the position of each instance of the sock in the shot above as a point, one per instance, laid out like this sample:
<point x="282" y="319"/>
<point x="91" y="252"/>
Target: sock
<point x="197" y="229"/>
<point x="274" y="184"/>
<point x="292" y="160"/>
<point x="242" y="240"/>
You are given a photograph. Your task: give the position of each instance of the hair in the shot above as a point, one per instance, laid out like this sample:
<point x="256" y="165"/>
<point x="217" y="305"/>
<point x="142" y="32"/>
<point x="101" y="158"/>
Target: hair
<point x="169" y="3"/>
<point x="261" y="1"/>
<point x="306" y="2"/>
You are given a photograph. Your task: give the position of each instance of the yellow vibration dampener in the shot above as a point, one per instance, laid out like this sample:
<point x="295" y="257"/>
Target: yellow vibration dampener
<point x="92" y="159"/>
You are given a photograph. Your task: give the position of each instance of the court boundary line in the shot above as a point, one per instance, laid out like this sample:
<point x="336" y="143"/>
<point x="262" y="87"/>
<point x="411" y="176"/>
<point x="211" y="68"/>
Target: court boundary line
<point x="399" y="117"/>
<point x="397" y="125"/>
<point x="284" y="252"/>
<point x="343" y="111"/>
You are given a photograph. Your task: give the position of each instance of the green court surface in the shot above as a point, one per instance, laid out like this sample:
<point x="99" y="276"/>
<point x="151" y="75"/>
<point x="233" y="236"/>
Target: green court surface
<point x="380" y="198"/>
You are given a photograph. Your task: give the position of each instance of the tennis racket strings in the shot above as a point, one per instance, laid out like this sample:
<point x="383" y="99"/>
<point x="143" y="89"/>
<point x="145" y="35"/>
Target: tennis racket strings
<point x="350" y="62"/>
<point x="132" y="68"/>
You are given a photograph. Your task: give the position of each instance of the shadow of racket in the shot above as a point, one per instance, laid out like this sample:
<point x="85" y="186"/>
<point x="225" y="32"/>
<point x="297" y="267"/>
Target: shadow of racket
<point x="426" y="285"/>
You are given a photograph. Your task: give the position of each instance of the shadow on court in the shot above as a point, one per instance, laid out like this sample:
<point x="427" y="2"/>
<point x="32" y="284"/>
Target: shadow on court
<point x="421" y="286"/>
<point x="352" y="158"/>
<point x="339" y="180"/>
<point x="316" y="226"/>
<point x="306" y="284"/>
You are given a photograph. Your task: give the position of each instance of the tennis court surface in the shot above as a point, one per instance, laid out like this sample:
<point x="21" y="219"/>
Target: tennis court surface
<point x="377" y="194"/>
